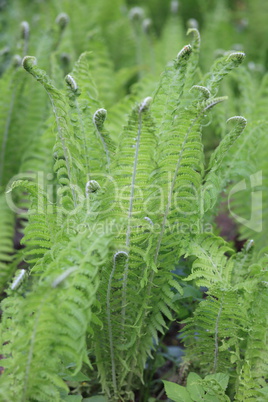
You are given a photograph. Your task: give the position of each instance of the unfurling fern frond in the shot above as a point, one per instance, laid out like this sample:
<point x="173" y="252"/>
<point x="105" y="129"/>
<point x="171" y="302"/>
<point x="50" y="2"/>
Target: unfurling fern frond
<point x="221" y="68"/>
<point x="215" y="179"/>
<point x="66" y="149"/>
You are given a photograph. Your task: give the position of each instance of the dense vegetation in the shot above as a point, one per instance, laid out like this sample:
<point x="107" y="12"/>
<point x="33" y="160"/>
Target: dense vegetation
<point x="133" y="201"/>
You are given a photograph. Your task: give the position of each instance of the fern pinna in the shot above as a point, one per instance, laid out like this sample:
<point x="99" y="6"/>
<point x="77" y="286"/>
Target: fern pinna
<point x="128" y="205"/>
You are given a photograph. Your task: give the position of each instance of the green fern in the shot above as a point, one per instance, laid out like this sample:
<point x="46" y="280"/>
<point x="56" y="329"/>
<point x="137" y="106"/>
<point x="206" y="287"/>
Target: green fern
<point x="120" y="192"/>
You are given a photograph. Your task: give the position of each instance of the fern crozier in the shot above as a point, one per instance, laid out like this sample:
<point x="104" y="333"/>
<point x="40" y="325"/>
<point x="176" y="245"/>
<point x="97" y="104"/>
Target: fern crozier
<point x="249" y="244"/>
<point x="174" y="6"/>
<point x="99" y="118"/>
<point x="17" y="60"/>
<point x="92" y="186"/>
<point x="18" y="280"/>
<point x="184" y="53"/>
<point x="192" y="23"/>
<point x="25" y="30"/>
<point x="238" y="119"/>
<point x="205" y="91"/>
<point x="237" y="56"/>
<point x="136" y="13"/>
<point x="28" y="62"/>
<point x="71" y="82"/>
<point x="62" y="20"/>
<point x="147" y="25"/>
<point x="149" y="220"/>
<point x="146" y="104"/>
<point x="63" y="276"/>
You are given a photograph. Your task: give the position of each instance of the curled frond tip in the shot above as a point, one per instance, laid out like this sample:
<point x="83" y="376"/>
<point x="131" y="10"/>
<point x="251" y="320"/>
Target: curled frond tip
<point x="99" y="118"/>
<point x="184" y="53"/>
<point x="62" y="20"/>
<point x="174" y="6"/>
<point x="18" y="280"/>
<point x="145" y="104"/>
<point x="237" y="56"/>
<point x="28" y="62"/>
<point x="136" y="13"/>
<point x="239" y="119"/>
<point x="25" y="30"/>
<point x="71" y="82"/>
<point x="204" y="90"/>
<point x="92" y="186"/>
<point x="119" y="254"/>
<point x="192" y="23"/>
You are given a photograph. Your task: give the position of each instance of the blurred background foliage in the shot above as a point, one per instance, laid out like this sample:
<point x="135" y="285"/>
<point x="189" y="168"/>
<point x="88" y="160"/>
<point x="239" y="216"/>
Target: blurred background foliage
<point x="231" y="24"/>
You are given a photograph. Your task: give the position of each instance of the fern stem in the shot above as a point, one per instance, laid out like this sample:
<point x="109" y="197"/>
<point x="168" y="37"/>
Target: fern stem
<point x="207" y="107"/>
<point x="138" y="43"/>
<point x="168" y="205"/>
<point x="25" y="33"/>
<point x="163" y="229"/>
<point x="105" y="148"/>
<point x="216" y="350"/>
<point x="109" y="321"/>
<point x="164" y="222"/>
<point x="125" y="276"/>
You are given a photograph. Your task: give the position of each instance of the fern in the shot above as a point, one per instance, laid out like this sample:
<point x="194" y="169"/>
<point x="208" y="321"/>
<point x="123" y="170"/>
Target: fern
<point x="120" y="191"/>
<point x="7" y="233"/>
<point x="63" y="296"/>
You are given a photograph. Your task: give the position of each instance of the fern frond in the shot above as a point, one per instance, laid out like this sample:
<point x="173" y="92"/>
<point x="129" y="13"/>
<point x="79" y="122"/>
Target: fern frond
<point x="213" y="334"/>
<point x="57" y="314"/>
<point x="211" y="265"/>
<point x="68" y="150"/>
<point x="135" y="157"/>
<point x="38" y="235"/>
<point x="12" y="107"/>
<point x="213" y="183"/>
<point x="7" y="233"/>
<point x="221" y="68"/>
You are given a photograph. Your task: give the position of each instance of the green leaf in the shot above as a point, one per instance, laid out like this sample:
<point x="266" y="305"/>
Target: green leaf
<point x="176" y="392"/>
<point x="97" y="398"/>
<point x="221" y="378"/>
<point x="194" y="387"/>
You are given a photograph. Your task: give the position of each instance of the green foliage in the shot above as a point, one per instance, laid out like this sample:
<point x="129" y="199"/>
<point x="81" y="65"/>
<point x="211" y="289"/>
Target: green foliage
<point x="211" y="388"/>
<point x="106" y="173"/>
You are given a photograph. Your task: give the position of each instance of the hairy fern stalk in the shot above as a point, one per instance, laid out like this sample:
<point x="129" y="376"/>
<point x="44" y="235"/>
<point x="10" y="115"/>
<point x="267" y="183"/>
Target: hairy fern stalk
<point x="127" y="193"/>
